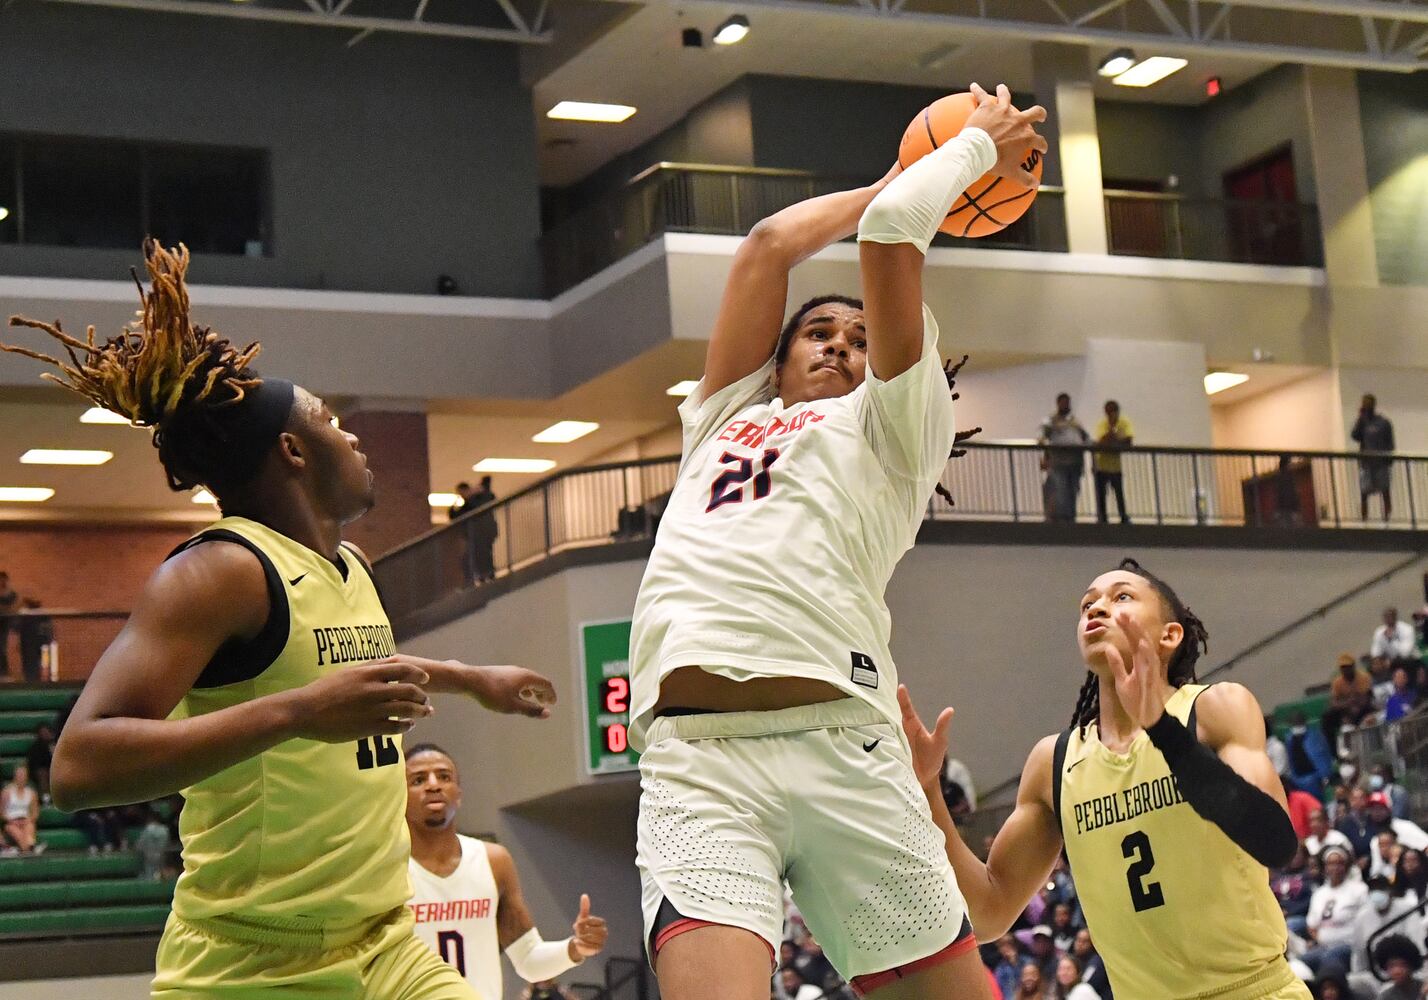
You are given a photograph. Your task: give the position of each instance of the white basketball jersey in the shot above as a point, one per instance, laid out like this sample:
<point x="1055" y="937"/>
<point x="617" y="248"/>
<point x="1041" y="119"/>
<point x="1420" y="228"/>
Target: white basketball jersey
<point x="456" y="916"/>
<point x="783" y="529"/>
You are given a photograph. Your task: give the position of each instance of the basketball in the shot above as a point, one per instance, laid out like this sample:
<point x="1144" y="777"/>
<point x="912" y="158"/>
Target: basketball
<point x="992" y="203"/>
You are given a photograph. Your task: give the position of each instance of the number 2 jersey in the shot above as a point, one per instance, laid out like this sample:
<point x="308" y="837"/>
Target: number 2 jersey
<point x="456" y="916"/>
<point x="784" y="526"/>
<point x="1175" y="908"/>
<point x="305" y="832"/>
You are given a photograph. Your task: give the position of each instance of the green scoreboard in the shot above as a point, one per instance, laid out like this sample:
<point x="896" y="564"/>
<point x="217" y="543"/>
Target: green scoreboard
<point x="605" y="659"/>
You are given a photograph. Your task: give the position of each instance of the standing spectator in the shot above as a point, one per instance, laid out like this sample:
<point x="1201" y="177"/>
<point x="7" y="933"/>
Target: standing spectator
<point x="1063" y="461"/>
<point x="1401" y="702"/>
<point x="9" y="604"/>
<point x="1311" y="762"/>
<point x="483" y="532"/>
<point x="38" y="758"/>
<point x="1333" y="909"/>
<point x="1321" y="835"/>
<point x="36" y="632"/>
<point x="102" y="827"/>
<point x="1093" y="968"/>
<point x="463" y="496"/>
<point x="153" y="845"/>
<point x="1350" y="698"/>
<point x="1287" y="513"/>
<point x="1374" y="433"/>
<point x="1113" y="436"/>
<point x="20" y="808"/>
<point x="454" y="513"/>
<point x="1400" y="959"/>
<point x="1274" y="749"/>
<point x="1393" y="640"/>
<point x="1068" y="984"/>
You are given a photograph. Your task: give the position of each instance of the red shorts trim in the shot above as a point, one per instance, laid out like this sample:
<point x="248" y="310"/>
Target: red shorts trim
<point x="863" y="985"/>
<point x="686" y="924"/>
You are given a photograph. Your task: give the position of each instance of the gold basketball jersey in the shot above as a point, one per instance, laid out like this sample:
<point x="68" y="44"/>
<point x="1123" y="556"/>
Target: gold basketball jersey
<point x="305" y="830"/>
<point x="1175" y="909"/>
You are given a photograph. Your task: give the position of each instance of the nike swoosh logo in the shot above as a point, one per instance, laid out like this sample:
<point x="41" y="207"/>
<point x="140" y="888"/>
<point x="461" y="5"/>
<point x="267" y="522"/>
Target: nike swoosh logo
<point x="870" y="747"/>
<point x="1075" y="764"/>
<point x="297" y="580"/>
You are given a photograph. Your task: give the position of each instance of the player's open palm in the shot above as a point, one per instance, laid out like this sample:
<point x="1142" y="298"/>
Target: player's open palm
<point x="1010" y="129"/>
<point x="590" y="932"/>
<point x="929" y="749"/>
<point x="368" y="700"/>
<point x="1138" y="682"/>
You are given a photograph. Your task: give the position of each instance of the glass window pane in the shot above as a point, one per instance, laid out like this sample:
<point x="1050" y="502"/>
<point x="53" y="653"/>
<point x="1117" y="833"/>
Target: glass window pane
<point x="82" y="193"/>
<point x="209" y="199"/>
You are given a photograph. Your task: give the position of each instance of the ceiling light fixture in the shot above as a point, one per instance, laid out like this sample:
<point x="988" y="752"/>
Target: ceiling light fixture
<point x="1116" y="63"/>
<point x="587" y="111"/>
<point x="25" y="494"/>
<point x="65" y="456"/>
<point x="203" y="496"/>
<point x="732" y="31"/>
<point x="443" y="499"/>
<point x="4" y="213"/>
<point x="565" y="431"/>
<point x="1151" y="71"/>
<point x="99" y="415"/>
<point x="1220" y="381"/>
<point x="513" y="465"/>
<point x="682" y="388"/>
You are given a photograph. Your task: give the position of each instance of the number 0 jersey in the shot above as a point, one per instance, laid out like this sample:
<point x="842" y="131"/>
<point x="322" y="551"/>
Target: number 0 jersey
<point x="456" y="916"/>
<point x="1176" y="910"/>
<point x="305" y="831"/>
<point x="784" y="526"/>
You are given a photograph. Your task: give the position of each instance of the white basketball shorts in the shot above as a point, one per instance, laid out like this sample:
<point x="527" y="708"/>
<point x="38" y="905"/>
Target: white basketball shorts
<point x="821" y="796"/>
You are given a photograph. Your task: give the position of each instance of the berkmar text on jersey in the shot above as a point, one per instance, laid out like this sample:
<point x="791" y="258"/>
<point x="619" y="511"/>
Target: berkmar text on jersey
<point x="1127" y="804"/>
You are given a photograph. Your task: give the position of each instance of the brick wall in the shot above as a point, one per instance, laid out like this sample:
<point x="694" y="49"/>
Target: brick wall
<point x="86" y="567"/>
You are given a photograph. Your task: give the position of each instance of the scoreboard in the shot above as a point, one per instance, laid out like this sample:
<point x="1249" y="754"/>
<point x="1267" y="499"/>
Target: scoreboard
<point x="605" y="660"/>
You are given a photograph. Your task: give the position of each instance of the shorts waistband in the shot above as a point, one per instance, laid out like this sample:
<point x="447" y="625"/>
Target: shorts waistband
<point x="1271" y="979"/>
<point x="734" y="725"/>
<point x="292" y="933"/>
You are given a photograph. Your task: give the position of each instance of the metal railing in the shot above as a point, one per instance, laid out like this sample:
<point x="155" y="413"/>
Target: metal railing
<point x="602" y="504"/>
<point x="1142" y="224"/>
<point x="700" y="198"/>
<point x="1403" y="745"/>
<point x="57" y="644"/>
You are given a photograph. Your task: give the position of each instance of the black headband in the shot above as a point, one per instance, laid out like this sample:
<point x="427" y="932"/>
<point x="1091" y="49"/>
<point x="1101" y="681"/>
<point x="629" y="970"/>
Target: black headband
<point x="254" y="424"/>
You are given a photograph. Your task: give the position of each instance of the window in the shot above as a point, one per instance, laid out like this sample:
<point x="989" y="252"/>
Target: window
<point x="110" y="194"/>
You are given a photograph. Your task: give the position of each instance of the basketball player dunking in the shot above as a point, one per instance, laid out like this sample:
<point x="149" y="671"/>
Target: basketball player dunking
<point x="466" y="895"/>
<point x="1165" y="800"/>
<point x="257" y="674"/>
<point x="763" y="689"/>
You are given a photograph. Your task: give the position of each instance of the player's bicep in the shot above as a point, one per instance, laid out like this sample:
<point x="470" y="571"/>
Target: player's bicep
<point x="1232" y="724"/>
<point x="892" y="305"/>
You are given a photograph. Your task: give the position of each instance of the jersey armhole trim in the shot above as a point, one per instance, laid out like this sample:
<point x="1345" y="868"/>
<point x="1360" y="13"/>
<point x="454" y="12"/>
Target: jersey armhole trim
<point x="1190" y="720"/>
<point x="241" y="660"/>
<point x="351" y="550"/>
<point x="1058" y="764"/>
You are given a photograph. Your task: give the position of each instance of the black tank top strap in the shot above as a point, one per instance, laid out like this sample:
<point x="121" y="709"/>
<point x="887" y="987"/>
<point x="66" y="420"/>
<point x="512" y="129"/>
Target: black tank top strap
<point x="1058" y="766"/>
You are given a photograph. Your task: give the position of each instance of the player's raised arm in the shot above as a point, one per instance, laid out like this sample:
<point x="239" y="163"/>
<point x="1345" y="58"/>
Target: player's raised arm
<point x="534" y="959"/>
<point x="897" y="228"/>
<point x="1025" y="848"/>
<point x="756" y="293"/>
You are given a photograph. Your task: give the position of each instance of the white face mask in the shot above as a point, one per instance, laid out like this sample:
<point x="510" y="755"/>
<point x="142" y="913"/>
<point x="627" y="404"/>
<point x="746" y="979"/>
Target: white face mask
<point x="1380" y="899"/>
<point x="1346" y="772"/>
<point x="1299" y="730"/>
<point x="1376" y="782"/>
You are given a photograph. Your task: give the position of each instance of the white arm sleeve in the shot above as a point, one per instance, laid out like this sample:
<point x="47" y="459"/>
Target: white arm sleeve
<point x="536" y="960"/>
<point x="913" y="205"/>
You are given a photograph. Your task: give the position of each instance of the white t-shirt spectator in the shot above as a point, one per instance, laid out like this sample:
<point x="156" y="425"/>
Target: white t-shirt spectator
<point x="1082" y="991"/>
<point x="1370" y="920"/>
<point x="1334" y="910"/>
<point x="1333" y="838"/>
<point x="1278" y="754"/>
<point x="1412" y="836"/>
<point x="1397" y="645"/>
<point x="958" y="772"/>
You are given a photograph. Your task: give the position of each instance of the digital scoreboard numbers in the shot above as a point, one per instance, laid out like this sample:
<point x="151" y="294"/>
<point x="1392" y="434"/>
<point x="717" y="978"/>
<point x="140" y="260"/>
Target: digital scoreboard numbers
<point x="605" y="655"/>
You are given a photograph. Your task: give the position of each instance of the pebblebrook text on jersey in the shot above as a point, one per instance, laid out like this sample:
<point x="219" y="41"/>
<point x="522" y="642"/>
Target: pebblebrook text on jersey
<point x="1128" y="804"/>
<point x="353" y="643"/>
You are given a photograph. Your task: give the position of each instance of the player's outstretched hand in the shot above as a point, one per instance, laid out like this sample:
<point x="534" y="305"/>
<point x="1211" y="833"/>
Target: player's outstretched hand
<point x="372" y="699"/>
<point x="1137" y="683"/>
<point x="1010" y="129"/>
<point x="929" y="749"/>
<point x="590" y="933"/>
<point x="513" y="690"/>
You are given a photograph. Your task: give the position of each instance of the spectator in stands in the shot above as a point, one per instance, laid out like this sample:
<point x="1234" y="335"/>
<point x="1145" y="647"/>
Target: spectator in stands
<point x="1293" y="886"/>
<point x="38" y="758"/>
<point x="1350" y="698"/>
<point x="9" y="604"/>
<point x="1412" y="873"/>
<point x="955" y="772"/>
<point x="1374" y="433"/>
<point x="795" y="988"/>
<point x="1381" y="820"/>
<point x="1332" y="984"/>
<point x="1393" y="640"/>
<point x="1063" y="465"/>
<point x="1400" y="959"/>
<point x="1061" y="888"/>
<point x="1321" y="835"/>
<point x="463" y="495"/>
<point x="1310" y="761"/>
<point x="1043" y="951"/>
<point x="1113" y="436"/>
<point x="37" y="631"/>
<point x="456" y="512"/>
<point x="1068" y="984"/>
<point x="1063" y="928"/>
<point x="1032" y="983"/>
<point x="1274" y="749"/>
<point x="1403" y="698"/>
<point x="811" y="963"/>
<point x="1383" y="859"/>
<point x="1287" y="513"/>
<point x="1338" y="805"/>
<point x="484" y="531"/>
<point x="20" y="809"/>
<point x="153" y="845"/>
<point x="103" y="827"/>
<point x="1381" y="780"/>
<point x="1333" y="911"/>
<point x="1007" y="970"/>
<point x="1301" y="806"/>
<point x="1385" y="906"/>
<point x="1355" y="824"/>
<point x="1093" y="969"/>
<point x="546" y="989"/>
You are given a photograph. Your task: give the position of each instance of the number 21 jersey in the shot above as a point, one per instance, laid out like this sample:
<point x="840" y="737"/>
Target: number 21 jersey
<point x="785" y="524"/>
<point x="1175" y="908"/>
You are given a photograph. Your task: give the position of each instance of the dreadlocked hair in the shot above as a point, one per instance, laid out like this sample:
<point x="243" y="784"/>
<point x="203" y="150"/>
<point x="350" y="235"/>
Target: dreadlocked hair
<point x="1180" y="669"/>
<point x="165" y="373"/>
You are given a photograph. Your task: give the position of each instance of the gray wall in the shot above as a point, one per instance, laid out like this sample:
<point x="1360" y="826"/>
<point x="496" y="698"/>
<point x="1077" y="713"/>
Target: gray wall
<point x="393" y="161"/>
<point x="1394" y="110"/>
<point x="1252" y="120"/>
<point x="1150" y="142"/>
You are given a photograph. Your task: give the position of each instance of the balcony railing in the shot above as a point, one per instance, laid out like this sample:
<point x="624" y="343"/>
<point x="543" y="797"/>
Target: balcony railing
<point x="599" y="505"/>
<point x="1140" y="224"/>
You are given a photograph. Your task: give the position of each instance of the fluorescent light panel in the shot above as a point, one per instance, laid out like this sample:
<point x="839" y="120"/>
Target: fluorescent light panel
<point x="565" y="431"/>
<point x="25" y="494"/>
<point x="513" y="465"/>
<point x="203" y="496"/>
<point x="1220" y="381"/>
<point x="588" y="111"/>
<point x="65" y="456"/>
<point x="1116" y="64"/>
<point x="682" y="388"/>
<point x="4" y="213"/>
<point x="99" y="415"/>
<point x="1150" y="71"/>
<point x="443" y="499"/>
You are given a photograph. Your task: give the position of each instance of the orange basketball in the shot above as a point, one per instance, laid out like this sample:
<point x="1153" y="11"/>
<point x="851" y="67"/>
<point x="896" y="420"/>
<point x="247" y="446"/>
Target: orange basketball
<point x="991" y="203"/>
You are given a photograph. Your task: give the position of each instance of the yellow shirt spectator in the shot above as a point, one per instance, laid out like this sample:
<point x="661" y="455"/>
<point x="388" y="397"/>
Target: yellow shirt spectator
<point x="1110" y="461"/>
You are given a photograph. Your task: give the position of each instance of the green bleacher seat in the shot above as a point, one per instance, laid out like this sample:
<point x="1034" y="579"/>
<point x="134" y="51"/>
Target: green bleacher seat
<point x="60" y="867"/>
<point x="23" y="722"/>
<point x="51" y="818"/>
<point x="35" y="699"/>
<point x="1312" y="707"/>
<point x="32" y="923"/>
<point x="95" y="892"/>
<point x="16" y="744"/>
<point x="7" y="765"/>
<point x="64" y="839"/>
